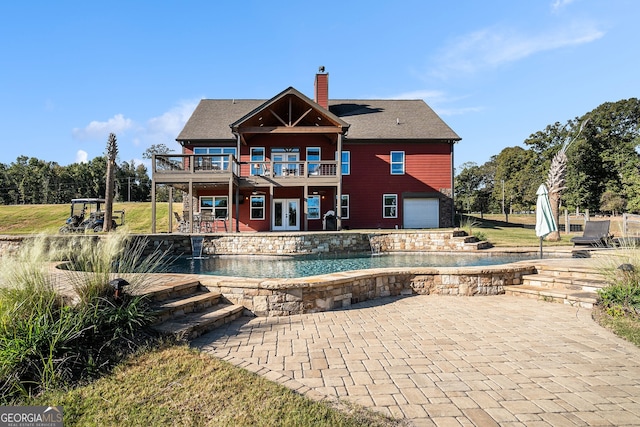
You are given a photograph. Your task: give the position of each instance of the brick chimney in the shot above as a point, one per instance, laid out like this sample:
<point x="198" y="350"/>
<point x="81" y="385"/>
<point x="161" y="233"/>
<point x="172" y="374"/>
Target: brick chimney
<point x="321" y="86"/>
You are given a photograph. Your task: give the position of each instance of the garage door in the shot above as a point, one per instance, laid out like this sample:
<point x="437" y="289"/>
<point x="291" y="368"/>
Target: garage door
<point x="421" y="213"/>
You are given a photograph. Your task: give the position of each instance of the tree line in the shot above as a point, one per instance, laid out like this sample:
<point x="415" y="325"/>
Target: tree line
<point x="603" y="171"/>
<point x="35" y="181"/>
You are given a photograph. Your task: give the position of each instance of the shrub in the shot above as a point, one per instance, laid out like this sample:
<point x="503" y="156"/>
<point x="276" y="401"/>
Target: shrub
<point x="622" y="296"/>
<point x="45" y="341"/>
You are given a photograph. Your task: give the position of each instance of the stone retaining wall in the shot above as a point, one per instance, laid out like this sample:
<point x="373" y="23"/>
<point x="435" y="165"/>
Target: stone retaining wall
<point x="291" y="243"/>
<point x="283" y="297"/>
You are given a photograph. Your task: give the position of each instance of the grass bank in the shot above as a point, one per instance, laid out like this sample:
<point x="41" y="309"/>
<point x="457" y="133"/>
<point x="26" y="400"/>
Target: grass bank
<point x="180" y="386"/>
<point x="30" y="219"/>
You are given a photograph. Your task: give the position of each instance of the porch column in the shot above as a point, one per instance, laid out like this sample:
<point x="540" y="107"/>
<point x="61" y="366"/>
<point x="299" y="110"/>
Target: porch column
<point x="339" y="187"/>
<point x="191" y="205"/>
<point x="170" y="209"/>
<point x="229" y="210"/>
<point x="305" y="209"/>
<point x="271" y="206"/>
<point x="237" y="208"/>
<point x="153" y="204"/>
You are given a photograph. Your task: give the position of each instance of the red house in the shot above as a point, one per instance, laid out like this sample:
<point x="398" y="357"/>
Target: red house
<point x="292" y="163"/>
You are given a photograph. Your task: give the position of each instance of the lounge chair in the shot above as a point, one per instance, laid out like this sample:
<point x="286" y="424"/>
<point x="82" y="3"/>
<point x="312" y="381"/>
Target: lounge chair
<point x="596" y="233"/>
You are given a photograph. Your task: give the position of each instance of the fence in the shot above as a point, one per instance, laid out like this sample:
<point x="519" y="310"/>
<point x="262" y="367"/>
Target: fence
<point x="630" y="225"/>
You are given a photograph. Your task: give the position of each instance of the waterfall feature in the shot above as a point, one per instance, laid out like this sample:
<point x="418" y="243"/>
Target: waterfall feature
<point x="197" y="243"/>
<point x="376" y="246"/>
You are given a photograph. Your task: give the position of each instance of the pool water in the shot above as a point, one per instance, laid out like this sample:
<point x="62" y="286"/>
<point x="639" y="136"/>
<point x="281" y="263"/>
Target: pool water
<point x="310" y="265"/>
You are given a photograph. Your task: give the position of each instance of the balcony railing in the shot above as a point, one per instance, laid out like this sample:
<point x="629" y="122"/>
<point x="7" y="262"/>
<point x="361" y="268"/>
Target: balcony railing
<point x="196" y="163"/>
<point x="294" y="169"/>
<point x="227" y="163"/>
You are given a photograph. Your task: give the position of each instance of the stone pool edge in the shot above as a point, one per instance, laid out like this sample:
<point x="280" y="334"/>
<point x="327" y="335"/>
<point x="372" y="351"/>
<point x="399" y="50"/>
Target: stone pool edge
<point x="285" y="297"/>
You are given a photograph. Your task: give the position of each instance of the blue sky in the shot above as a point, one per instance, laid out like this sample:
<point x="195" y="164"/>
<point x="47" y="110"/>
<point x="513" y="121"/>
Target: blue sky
<point x="496" y="71"/>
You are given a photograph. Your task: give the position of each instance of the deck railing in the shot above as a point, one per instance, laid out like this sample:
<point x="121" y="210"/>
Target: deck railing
<point x="294" y="169"/>
<point x="227" y="163"/>
<point x="195" y="163"/>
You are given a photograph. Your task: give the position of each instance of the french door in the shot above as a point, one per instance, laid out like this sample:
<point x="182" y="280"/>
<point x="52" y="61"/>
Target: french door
<point x="286" y="215"/>
<point x="281" y="168"/>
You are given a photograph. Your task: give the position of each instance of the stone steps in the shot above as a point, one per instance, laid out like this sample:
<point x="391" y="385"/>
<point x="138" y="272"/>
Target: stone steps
<point x="572" y="285"/>
<point x="564" y="296"/>
<point x="192" y="325"/>
<point x="186" y="309"/>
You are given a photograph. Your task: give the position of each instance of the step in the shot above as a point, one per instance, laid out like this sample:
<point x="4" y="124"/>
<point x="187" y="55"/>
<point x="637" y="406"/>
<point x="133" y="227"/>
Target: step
<point x="192" y="325"/>
<point x="566" y="296"/>
<point x="179" y="306"/>
<point x="173" y="290"/>
<point x="560" y="282"/>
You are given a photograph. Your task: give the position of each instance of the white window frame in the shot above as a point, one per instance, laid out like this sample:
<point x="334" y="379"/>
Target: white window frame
<point x="393" y="207"/>
<point x="346" y="163"/>
<point x="344" y="207"/>
<point x="216" y="208"/>
<point x="257" y="168"/>
<point x="206" y="208"/>
<point x="316" y="204"/>
<point x="221" y="162"/>
<point x="313" y="164"/>
<point x="393" y="163"/>
<point x="258" y="209"/>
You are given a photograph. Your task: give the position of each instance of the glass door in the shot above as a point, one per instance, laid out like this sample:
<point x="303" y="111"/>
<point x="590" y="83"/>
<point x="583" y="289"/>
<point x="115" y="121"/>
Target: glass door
<point x="286" y="214"/>
<point x="281" y="168"/>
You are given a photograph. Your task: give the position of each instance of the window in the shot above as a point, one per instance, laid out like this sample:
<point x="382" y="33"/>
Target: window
<point x="344" y="209"/>
<point x="389" y="204"/>
<point x="220" y="206"/>
<point x="257" y="207"/>
<point x="258" y="156"/>
<point x="218" y="157"/>
<point x="397" y="162"/>
<point x="313" y="207"/>
<point x="281" y="158"/>
<point x="206" y="205"/>
<point x="313" y="155"/>
<point x="346" y="163"/>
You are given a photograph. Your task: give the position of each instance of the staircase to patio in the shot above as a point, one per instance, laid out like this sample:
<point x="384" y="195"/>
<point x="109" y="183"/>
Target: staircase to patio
<point x="573" y="281"/>
<point x="186" y="309"/>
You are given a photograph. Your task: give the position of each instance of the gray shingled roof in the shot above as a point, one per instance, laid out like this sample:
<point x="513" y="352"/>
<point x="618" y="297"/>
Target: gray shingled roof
<point x="369" y="119"/>
<point x="391" y="119"/>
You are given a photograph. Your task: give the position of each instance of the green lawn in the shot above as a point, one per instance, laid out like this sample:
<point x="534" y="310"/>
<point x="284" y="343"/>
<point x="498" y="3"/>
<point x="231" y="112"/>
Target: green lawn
<point x="33" y="219"/>
<point x="177" y="386"/>
<point x="30" y="219"/>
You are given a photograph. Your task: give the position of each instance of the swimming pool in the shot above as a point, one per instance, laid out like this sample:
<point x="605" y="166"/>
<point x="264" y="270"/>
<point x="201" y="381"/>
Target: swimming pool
<point x="311" y="265"/>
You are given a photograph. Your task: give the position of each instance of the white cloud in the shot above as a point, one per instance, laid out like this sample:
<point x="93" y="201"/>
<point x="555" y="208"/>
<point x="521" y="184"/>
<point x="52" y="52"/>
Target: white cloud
<point x="438" y="100"/>
<point x="559" y="4"/>
<point x="172" y="122"/>
<point x="493" y="47"/>
<point x="421" y="94"/>
<point x="134" y="137"/>
<point x="101" y="130"/>
<point x="81" y="156"/>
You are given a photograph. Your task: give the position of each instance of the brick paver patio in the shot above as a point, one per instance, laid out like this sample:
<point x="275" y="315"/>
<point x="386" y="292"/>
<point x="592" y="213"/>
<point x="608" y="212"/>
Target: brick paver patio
<point x="454" y="361"/>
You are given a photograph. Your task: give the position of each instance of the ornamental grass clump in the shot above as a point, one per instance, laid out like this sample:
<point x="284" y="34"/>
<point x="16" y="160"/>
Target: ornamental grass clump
<point x="622" y="296"/>
<point x="49" y="338"/>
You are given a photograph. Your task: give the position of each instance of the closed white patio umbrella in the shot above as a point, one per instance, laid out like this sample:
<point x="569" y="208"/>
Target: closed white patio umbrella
<point x="545" y="222"/>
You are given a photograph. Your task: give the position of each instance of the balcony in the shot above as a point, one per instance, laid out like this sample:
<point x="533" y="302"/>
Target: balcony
<point x="200" y="168"/>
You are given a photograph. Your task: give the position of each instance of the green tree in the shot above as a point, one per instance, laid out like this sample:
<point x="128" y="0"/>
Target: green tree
<point x="516" y="170"/>
<point x="612" y="202"/>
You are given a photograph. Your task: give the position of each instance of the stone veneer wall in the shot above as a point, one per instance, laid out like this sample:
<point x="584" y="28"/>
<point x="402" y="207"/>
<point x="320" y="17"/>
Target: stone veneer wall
<point x="283" y="297"/>
<point x="290" y="243"/>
